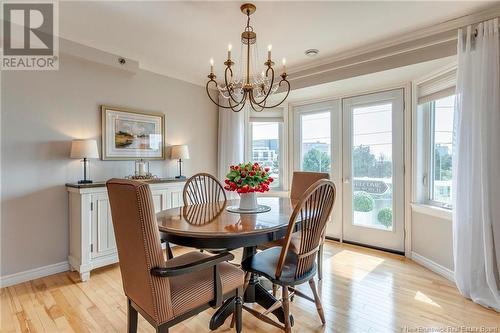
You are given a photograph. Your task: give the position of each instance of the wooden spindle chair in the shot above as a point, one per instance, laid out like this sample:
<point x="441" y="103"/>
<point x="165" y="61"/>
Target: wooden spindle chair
<point x="300" y="183"/>
<point x="288" y="268"/>
<point x="203" y="213"/>
<point x="203" y="188"/>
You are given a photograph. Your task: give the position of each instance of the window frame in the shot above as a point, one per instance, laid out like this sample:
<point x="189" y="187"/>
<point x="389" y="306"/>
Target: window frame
<point x="428" y="152"/>
<point x="335" y="119"/>
<point x="432" y="153"/>
<point x="281" y="138"/>
<point x="427" y="90"/>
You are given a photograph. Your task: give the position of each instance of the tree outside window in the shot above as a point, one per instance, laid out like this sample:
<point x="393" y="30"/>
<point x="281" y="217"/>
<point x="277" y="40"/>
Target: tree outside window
<point x="316" y="161"/>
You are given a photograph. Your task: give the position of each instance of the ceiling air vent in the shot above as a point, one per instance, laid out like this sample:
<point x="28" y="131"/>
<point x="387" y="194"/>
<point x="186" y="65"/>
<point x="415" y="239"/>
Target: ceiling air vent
<point x="311" y="52"/>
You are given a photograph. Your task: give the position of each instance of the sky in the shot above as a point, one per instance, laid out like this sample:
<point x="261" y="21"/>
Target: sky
<point x="372" y="126"/>
<point x="265" y="131"/>
<point x="443" y="124"/>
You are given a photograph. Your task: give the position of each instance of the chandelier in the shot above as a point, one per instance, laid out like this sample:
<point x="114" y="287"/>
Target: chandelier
<point x="250" y="84"/>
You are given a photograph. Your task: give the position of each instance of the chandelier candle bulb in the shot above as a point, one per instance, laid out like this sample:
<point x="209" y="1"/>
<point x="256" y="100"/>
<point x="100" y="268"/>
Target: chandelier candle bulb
<point x="211" y="65"/>
<point x="229" y="48"/>
<point x="284" y="65"/>
<point x="269" y="47"/>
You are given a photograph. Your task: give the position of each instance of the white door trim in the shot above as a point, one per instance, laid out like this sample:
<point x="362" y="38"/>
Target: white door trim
<point x="396" y="242"/>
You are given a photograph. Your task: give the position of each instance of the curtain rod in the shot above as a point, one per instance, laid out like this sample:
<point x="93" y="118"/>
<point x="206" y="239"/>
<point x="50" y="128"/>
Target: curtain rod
<point x="474" y="26"/>
<point x="477" y="32"/>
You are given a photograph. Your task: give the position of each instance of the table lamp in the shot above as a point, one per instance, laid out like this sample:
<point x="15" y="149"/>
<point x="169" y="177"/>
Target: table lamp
<point x="180" y="152"/>
<point x="84" y="149"/>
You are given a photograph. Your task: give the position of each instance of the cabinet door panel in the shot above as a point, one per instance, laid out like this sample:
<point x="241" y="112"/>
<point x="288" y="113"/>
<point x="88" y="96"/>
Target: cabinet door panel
<point x="111" y="232"/>
<point x="157" y="202"/>
<point x="103" y="237"/>
<point x="176" y="198"/>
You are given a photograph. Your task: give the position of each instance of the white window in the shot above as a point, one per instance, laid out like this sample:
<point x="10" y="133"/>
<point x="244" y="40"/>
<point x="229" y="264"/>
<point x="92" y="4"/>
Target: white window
<point x="266" y="142"/>
<point x="266" y="148"/>
<point x="435" y="112"/>
<point x="441" y="130"/>
<point x="316" y="137"/>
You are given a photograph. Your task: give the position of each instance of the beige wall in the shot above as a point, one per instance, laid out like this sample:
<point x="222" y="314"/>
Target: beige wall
<point x="432" y="238"/>
<point x="42" y="111"/>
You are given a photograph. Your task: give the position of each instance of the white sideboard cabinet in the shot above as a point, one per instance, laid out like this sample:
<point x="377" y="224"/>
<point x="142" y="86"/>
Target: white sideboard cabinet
<point x="91" y="238"/>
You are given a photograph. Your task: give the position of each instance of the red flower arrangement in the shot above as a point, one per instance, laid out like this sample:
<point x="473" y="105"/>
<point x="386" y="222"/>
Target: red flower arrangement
<point x="248" y="178"/>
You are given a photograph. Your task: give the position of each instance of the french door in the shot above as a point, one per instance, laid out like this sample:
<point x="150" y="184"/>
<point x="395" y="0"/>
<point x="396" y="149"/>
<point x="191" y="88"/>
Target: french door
<point x="373" y="175"/>
<point x="317" y="141"/>
<point x="359" y="141"/>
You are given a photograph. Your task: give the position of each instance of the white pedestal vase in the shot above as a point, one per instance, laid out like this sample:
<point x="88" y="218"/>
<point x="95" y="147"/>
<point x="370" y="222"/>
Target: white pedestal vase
<point x="248" y="201"/>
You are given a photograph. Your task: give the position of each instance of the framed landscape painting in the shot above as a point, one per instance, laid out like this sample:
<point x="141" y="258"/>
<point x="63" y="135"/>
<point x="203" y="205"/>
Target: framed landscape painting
<point x="131" y="135"/>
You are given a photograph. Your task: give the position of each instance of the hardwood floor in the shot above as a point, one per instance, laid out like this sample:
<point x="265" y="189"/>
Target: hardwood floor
<point x="362" y="291"/>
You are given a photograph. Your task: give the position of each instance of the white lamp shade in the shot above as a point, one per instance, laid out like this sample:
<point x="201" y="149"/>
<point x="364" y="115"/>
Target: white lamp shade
<point x="180" y="152"/>
<point x="84" y="149"/>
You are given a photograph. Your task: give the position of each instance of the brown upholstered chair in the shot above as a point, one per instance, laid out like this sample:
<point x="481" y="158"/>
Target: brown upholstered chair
<point x="203" y="188"/>
<point x="301" y="181"/>
<point x="164" y="292"/>
<point x="290" y="268"/>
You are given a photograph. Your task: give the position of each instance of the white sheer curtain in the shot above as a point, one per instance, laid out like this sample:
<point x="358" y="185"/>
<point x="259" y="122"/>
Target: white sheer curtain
<point x="476" y="166"/>
<point x="231" y="140"/>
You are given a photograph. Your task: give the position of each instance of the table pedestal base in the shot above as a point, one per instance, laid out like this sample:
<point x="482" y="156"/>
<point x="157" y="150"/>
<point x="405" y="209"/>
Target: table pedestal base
<point x="255" y="293"/>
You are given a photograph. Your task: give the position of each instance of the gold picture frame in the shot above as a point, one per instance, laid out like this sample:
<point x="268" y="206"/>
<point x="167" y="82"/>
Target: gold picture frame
<point x="131" y="134"/>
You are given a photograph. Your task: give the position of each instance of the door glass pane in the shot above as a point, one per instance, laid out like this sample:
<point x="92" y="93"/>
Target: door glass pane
<point x="372" y="166"/>
<point x="315" y="142"/>
<point x="266" y="148"/>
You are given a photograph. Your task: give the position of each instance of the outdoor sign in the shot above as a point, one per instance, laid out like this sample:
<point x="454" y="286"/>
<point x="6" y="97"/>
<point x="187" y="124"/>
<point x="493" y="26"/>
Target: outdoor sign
<point x="370" y="186"/>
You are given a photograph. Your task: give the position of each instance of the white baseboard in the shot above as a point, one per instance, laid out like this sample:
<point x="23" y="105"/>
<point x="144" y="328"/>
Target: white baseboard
<point x="433" y="266"/>
<point x="35" y="273"/>
<point x="31" y="274"/>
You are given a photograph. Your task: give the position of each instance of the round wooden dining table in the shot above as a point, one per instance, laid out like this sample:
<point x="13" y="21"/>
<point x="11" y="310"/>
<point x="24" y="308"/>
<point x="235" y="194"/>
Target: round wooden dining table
<point x="210" y="226"/>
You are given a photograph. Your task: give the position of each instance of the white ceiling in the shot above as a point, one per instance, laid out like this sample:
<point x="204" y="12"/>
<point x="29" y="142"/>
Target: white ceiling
<point x="178" y="38"/>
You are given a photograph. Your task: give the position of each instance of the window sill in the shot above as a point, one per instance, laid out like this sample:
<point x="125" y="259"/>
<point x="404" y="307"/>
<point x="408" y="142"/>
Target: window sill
<point x="442" y="213"/>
